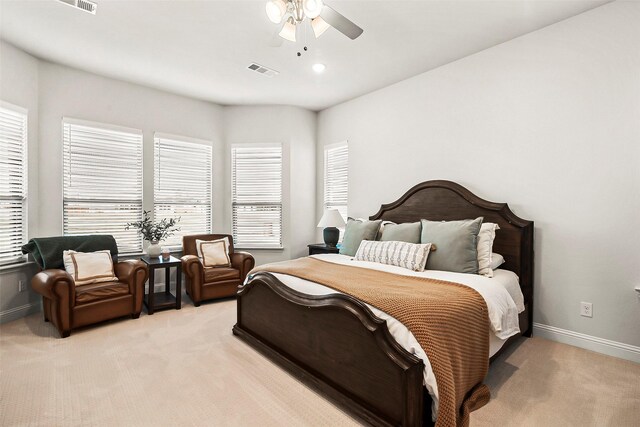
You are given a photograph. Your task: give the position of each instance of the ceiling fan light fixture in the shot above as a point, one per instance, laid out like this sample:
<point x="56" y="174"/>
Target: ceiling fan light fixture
<point x="319" y="26"/>
<point x="288" y="31"/>
<point x="276" y="10"/>
<point x="312" y="8"/>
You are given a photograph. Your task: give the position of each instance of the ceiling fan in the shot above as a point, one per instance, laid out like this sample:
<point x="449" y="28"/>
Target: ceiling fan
<point x="321" y="16"/>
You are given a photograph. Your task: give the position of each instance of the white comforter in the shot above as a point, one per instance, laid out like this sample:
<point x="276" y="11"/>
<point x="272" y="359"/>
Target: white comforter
<point x="501" y="293"/>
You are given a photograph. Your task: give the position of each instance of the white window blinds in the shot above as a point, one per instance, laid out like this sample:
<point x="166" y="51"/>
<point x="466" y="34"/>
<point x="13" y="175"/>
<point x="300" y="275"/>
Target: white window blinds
<point x="336" y="178"/>
<point x="182" y="186"/>
<point x="102" y="182"/>
<point x="13" y="183"/>
<point x="257" y="196"/>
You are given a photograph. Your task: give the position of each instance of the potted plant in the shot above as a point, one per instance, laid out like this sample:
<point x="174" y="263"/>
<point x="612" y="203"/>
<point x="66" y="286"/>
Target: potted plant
<point x="154" y="231"/>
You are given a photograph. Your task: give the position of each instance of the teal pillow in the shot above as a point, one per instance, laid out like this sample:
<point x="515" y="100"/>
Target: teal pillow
<point x="408" y="232"/>
<point x="456" y="244"/>
<point x="355" y="232"/>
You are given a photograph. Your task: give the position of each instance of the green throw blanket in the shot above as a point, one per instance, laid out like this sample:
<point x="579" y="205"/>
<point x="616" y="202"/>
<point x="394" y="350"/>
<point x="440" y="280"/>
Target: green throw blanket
<point x="47" y="251"/>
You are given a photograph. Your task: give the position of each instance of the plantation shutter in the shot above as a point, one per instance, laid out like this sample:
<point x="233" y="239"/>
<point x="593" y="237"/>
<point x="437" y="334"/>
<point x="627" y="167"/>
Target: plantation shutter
<point x="257" y="196"/>
<point x="13" y="183"/>
<point x="182" y="186"/>
<point x="336" y="178"/>
<point x="102" y="182"/>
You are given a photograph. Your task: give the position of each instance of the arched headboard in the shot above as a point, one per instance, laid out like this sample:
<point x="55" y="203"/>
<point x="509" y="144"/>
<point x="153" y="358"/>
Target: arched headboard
<point x="447" y="201"/>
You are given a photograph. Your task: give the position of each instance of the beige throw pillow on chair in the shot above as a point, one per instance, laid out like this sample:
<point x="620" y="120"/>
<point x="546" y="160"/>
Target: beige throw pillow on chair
<point x="89" y="267"/>
<point x="215" y="253"/>
<point x="198" y="241"/>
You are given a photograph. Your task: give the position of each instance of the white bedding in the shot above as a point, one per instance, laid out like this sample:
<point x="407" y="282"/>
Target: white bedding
<point x="501" y="293"/>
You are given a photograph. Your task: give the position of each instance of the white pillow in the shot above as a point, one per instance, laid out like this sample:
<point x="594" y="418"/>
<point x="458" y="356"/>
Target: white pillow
<point x="485" y="246"/>
<point x="496" y="260"/>
<point x="89" y="267"/>
<point x="401" y="254"/>
<point x="224" y="239"/>
<point x="215" y="253"/>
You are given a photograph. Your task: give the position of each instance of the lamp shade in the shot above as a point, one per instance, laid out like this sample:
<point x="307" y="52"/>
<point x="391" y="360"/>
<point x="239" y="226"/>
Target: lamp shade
<point x="331" y="218"/>
<point x="276" y="10"/>
<point x="288" y="31"/>
<point x="312" y="8"/>
<point x="319" y="26"/>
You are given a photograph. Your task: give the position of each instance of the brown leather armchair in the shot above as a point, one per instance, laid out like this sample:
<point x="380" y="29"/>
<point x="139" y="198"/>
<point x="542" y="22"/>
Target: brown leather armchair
<point x="69" y="306"/>
<point x="218" y="282"/>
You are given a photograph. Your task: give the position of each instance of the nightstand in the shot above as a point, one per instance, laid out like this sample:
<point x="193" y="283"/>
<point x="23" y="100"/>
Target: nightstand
<point x="321" y="248"/>
<point x="162" y="300"/>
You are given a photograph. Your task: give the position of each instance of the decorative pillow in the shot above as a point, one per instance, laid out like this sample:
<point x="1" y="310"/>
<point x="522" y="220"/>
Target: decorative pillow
<point x="89" y="267"/>
<point x="355" y="232"/>
<point x="214" y="253"/>
<point x="381" y="229"/>
<point x="401" y="254"/>
<point x="485" y="245"/>
<point x="496" y="261"/>
<point x="224" y="239"/>
<point x="457" y="243"/>
<point x="408" y="232"/>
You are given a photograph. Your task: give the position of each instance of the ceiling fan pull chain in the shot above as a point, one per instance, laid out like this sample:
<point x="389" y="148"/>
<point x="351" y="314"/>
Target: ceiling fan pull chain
<point x="305" y="37"/>
<point x="304" y="47"/>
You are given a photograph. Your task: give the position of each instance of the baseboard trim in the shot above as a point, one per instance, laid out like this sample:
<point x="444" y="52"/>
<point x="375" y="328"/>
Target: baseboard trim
<point x="16" y="313"/>
<point x="588" y="342"/>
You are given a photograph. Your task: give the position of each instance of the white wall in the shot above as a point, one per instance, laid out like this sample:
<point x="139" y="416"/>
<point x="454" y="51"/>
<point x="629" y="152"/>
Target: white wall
<point x="295" y="129"/>
<point x="19" y="86"/>
<point x="548" y="122"/>
<point x="67" y="92"/>
<point x="51" y="92"/>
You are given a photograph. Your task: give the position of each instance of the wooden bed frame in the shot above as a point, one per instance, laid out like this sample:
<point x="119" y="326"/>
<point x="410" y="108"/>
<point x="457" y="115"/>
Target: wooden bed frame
<point x="335" y="344"/>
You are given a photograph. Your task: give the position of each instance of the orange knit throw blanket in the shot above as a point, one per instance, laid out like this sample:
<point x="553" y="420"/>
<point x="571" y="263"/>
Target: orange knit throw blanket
<point x="449" y="320"/>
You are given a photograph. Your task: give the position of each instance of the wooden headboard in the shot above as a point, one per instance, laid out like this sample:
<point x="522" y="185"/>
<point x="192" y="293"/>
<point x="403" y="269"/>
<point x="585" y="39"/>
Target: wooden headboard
<point x="448" y="201"/>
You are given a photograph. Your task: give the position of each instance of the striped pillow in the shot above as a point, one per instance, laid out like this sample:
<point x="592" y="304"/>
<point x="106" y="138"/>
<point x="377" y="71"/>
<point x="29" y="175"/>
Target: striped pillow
<point x="401" y="254"/>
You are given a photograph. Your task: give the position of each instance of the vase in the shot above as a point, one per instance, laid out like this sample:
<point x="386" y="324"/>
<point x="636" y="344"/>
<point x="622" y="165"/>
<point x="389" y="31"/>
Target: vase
<point x="154" y="248"/>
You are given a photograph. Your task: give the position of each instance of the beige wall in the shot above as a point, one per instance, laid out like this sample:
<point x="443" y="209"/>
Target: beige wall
<point x="52" y="91"/>
<point x="548" y="122"/>
<point x="67" y="92"/>
<point x="295" y="129"/>
<point x="19" y="86"/>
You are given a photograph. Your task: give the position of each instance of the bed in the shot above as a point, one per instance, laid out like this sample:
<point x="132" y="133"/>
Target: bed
<point x="334" y="342"/>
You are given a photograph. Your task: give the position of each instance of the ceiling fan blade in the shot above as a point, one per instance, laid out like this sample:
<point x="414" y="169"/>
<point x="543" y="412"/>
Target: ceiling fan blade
<point x="340" y="23"/>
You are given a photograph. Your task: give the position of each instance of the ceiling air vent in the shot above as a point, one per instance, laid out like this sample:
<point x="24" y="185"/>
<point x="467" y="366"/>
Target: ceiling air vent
<point x="85" y="5"/>
<point x="263" y="70"/>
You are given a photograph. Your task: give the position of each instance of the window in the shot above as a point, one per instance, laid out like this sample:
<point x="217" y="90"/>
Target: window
<point x="182" y="185"/>
<point x="336" y="177"/>
<point x="13" y="182"/>
<point x="102" y="182"/>
<point x="257" y="196"/>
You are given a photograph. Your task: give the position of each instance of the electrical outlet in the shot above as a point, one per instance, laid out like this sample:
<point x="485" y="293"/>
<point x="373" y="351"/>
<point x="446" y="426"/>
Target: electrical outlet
<point x="21" y="286"/>
<point x="586" y="309"/>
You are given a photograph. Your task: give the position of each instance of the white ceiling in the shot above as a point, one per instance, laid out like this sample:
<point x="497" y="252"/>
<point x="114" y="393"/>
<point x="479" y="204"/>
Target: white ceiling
<point x="202" y="48"/>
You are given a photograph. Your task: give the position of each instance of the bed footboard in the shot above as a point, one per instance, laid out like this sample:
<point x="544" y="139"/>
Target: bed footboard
<point x="336" y="345"/>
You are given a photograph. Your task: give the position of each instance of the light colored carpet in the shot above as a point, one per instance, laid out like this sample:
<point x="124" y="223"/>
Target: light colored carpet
<point x="186" y="368"/>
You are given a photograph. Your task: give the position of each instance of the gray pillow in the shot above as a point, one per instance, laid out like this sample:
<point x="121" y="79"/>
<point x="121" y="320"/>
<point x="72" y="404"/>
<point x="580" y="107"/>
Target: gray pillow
<point x="456" y="244"/>
<point x="408" y="232"/>
<point x="355" y="232"/>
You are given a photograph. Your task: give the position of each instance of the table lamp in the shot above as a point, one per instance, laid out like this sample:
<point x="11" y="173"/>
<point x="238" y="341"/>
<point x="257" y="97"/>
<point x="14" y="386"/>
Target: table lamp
<point x="331" y="219"/>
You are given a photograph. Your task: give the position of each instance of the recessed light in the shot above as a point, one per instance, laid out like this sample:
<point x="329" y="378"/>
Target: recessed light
<point x="319" y="68"/>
